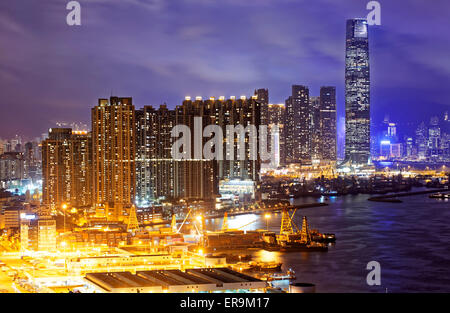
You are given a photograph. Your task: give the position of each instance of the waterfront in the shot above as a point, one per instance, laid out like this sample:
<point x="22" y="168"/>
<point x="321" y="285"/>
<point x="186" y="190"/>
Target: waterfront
<point x="410" y="240"/>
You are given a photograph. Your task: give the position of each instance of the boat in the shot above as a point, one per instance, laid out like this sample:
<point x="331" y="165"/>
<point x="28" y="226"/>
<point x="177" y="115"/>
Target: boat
<point x="235" y="258"/>
<point x="290" y="275"/>
<point x="295" y="246"/>
<point x="265" y="266"/>
<point x="325" y="237"/>
<point x="440" y="195"/>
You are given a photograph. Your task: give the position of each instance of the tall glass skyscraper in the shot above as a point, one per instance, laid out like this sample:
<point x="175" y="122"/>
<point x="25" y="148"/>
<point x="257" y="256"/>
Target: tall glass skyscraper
<point x="357" y="93"/>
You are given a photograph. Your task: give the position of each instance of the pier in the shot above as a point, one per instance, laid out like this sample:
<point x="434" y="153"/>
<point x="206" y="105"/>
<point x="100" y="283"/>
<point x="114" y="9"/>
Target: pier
<point x="258" y="211"/>
<point x="391" y="197"/>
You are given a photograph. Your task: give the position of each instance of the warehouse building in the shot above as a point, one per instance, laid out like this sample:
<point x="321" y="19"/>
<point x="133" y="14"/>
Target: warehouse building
<point x="176" y="281"/>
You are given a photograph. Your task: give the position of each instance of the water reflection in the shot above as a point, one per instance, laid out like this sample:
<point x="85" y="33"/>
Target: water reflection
<point x="410" y="240"/>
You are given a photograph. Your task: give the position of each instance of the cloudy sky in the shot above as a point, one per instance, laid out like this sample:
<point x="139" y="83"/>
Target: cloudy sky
<point x="162" y="50"/>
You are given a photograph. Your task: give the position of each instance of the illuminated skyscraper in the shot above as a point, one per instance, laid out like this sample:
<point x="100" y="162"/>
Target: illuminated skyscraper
<point x="316" y="137"/>
<point x="56" y="169"/>
<point x="277" y="116"/>
<point x="262" y="96"/>
<point x="434" y="134"/>
<point x="357" y="93"/>
<point x="67" y="168"/>
<point x="154" y="164"/>
<point x="195" y="177"/>
<point x="328" y="136"/>
<point x="298" y="122"/>
<point x="421" y="140"/>
<point x="113" y="142"/>
<point x="243" y="111"/>
<point x="81" y="169"/>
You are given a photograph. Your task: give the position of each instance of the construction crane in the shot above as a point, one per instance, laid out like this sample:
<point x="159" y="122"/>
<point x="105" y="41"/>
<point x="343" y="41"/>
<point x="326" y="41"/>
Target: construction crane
<point x="286" y="228"/>
<point x="187" y="215"/>
<point x="286" y="222"/>
<point x="305" y="234"/>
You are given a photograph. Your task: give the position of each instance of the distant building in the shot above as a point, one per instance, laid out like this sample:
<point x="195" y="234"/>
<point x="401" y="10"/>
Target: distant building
<point x="392" y="130"/>
<point x="434" y="134"/>
<point x="32" y="158"/>
<point x="328" y="124"/>
<point x="421" y="140"/>
<point x="38" y="233"/>
<point x="409" y="146"/>
<point x="277" y="118"/>
<point x="11" y="217"/>
<point x="316" y="135"/>
<point x="385" y="149"/>
<point x="11" y="167"/>
<point x="262" y="96"/>
<point x="396" y="150"/>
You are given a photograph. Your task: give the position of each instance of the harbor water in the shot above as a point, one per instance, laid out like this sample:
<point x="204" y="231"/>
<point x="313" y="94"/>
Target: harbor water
<point x="410" y="240"/>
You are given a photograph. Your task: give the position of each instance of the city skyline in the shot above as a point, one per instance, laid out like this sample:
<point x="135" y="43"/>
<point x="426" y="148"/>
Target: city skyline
<point x="212" y="147"/>
<point x="85" y="69"/>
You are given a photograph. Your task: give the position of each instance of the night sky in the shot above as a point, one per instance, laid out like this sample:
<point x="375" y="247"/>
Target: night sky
<point x="162" y="50"/>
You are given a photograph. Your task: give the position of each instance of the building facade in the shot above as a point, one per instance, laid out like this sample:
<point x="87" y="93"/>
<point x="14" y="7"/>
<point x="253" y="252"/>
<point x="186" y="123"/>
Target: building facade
<point x="277" y="118"/>
<point x="113" y="144"/>
<point x="357" y="93"/>
<point x="298" y="122"/>
<point x="155" y="167"/>
<point x="56" y="168"/>
<point x="328" y="116"/>
<point x="67" y="168"/>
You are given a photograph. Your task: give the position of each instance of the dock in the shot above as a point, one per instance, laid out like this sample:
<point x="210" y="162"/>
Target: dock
<point x="391" y="197"/>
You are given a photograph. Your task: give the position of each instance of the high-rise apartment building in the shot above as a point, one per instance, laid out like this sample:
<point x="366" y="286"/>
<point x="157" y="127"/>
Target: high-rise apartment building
<point x="357" y="93"/>
<point x="113" y="143"/>
<point x="155" y="167"/>
<point x="421" y="140"/>
<point x="316" y="137"/>
<point x="67" y="168"/>
<point x="328" y="135"/>
<point x="262" y="96"/>
<point x="81" y="169"/>
<point x="56" y="168"/>
<point x="12" y="168"/>
<point x="277" y="117"/>
<point x="195" y="176"/>
<point x="298" y="122"/>
<point x="434" y="134"/>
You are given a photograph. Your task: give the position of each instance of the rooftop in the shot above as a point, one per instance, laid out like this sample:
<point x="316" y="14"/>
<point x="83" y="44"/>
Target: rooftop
<point x="169" y="278"/>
